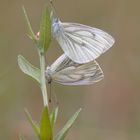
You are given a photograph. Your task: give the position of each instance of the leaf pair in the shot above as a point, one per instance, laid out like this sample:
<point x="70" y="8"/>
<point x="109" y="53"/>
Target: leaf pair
<point x="45" y="131"/>
<point x="44" y="39"/>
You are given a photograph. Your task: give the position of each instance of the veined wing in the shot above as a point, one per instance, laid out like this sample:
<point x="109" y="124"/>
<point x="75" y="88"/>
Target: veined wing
<point x="61" y="63"/>
<point x="67" y="72"/>
<point x="82" y="43"/>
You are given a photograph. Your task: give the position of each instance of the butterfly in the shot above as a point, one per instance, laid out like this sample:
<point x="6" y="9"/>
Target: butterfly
<point x="67" y="72"/>
<point x="79" y="42"/>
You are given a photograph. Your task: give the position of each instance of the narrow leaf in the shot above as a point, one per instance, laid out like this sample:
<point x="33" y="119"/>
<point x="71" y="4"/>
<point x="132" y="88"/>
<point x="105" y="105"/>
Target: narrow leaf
<point x="61" y="135"/>
<point x="53" y="116"/>
<point x="21" y="138"/>
<point x="33" y="123"/>
<point x="28" y="68"/>
<point x="31" y="33"/>
<point x="45" y="126"/>
<point x="45" y="30"/>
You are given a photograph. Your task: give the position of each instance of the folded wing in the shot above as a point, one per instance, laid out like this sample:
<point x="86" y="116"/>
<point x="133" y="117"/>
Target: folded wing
<point x="82" y="43"/>
<point x="67" y="72"/>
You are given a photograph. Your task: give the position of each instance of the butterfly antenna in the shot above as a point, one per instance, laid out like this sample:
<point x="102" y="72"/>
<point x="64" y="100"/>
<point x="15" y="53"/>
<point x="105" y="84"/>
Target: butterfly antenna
<point x="53" y="13"/>
<point x="56" y="100"/>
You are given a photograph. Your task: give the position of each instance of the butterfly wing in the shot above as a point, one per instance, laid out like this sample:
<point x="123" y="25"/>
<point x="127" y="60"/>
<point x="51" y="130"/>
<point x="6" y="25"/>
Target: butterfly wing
<point x="67" y="72"/>
<point x="82" y="43"/>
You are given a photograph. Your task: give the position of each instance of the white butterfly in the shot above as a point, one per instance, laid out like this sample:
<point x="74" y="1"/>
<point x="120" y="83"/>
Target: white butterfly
<point x="79" y="42"/>
<point x="67" y="72"/>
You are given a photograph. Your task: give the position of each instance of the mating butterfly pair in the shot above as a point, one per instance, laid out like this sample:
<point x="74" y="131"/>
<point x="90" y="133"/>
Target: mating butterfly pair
<point x="81" y="45"/>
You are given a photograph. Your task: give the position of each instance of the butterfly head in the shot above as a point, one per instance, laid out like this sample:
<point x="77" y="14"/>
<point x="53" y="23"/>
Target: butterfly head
<point x="56" y="28"/>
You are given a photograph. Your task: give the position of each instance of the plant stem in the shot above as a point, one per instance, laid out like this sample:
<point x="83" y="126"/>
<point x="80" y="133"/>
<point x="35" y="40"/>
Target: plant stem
<point x="43" y="79"/>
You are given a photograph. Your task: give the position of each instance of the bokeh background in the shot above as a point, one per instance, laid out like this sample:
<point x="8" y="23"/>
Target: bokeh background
<point x="111" y="108"/>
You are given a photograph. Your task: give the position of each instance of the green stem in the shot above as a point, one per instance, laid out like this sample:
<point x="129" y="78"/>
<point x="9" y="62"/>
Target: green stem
<point x="43" y="79"/>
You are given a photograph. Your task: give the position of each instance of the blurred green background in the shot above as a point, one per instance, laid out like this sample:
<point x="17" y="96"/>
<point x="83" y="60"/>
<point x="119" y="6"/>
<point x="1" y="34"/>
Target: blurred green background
<point x="111" y="108"/>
